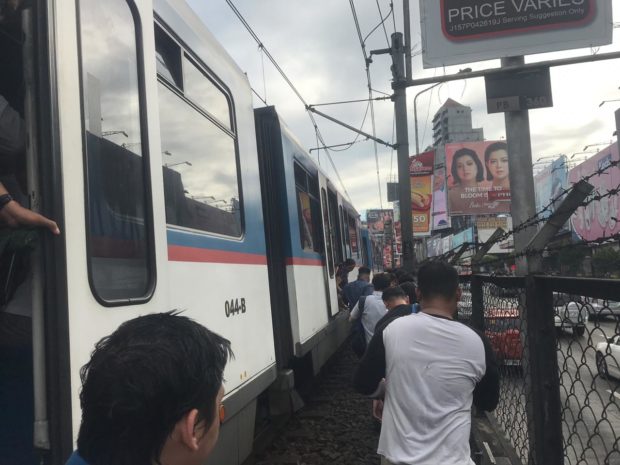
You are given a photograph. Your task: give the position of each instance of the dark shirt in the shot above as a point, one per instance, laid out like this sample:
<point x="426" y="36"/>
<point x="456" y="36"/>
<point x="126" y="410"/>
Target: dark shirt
<point x="353" y="291"/>
<point x="75" y="459"/>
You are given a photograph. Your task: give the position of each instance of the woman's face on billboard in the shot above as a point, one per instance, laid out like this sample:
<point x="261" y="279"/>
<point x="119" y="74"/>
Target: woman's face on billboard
<point x="466" y="169"/>
<point x="498" y="165"/>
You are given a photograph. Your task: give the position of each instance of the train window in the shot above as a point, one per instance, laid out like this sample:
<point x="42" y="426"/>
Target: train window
<point x="119" y="226"/>
<point x="201" y="185"/>
<point x="332" y="201"/>
<point x="328" y="235"/>
<point x="168" y="56"/>
<point x="310" y="230"/>
<point x="200" y="89"/>
<point x="352" y="234"/>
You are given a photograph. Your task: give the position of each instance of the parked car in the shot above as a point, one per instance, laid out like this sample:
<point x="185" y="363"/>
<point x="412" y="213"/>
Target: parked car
<point x="599" y="308"/>
<point x="503" y="329"/>
<point x="608" y="357"/>
<point x="570" y="313"/>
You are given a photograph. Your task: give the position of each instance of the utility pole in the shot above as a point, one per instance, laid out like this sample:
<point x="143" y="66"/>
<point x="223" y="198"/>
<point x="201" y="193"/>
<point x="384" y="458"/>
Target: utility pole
<point x="523" y="202"/>
<point x="407" y="27"/>
<point x="402" y="149"/>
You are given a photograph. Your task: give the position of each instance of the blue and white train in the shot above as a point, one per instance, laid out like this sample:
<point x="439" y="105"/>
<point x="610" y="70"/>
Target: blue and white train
<point x="171" y="193"/>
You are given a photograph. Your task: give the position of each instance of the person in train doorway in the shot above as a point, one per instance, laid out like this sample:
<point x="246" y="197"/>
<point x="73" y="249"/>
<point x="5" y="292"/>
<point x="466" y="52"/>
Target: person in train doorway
<point x="361" y="286"/>
<point x="343" y="271"/>
<point x="450" y="365"/>
<point x="152" y="393"/>
<point x="13" y="146"/>
<point x="367" y="312"/>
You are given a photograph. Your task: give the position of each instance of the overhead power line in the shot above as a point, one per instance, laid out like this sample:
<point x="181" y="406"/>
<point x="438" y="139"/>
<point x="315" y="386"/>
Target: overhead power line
<point x="290" y="84"/>
<point x="367" y="62"/>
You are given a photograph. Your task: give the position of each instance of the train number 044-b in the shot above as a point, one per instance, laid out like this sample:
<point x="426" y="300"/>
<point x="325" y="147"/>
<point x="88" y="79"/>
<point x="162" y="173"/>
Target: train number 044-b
<point x="234" y="307"/>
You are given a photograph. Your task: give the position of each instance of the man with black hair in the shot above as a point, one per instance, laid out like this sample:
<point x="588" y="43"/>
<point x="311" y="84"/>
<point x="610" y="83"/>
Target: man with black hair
<point x="371" y="308"/>
<point x="434" y="369"/>
<point x="151" y="394"/>
<point x="354" y="290"/>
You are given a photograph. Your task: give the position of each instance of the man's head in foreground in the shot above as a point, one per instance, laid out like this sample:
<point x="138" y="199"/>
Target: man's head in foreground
<point x="151" y="393"/>
<point x="438" y="287"/>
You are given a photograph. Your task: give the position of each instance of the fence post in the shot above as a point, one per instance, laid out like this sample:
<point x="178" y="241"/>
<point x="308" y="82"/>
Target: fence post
<point x="477" y="303"/>
<point x="545" y="410"/>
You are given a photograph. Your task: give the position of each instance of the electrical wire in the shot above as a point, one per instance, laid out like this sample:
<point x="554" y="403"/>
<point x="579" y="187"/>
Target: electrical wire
<point x="370" y="98"/>
<point x="290" y="84"/>
<point x="381" y="23"/>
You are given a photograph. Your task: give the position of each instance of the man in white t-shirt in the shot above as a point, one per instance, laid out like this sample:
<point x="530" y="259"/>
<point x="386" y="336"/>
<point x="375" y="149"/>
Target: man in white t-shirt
<point x="373" y="307"/>
<point x="434" y="369"/>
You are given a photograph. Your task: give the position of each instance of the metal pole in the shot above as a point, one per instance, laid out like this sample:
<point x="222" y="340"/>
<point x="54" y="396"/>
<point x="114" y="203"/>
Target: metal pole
<point x="407" y="21"/>
<point x="402" y="148"/>
<point x="523" y="203"/>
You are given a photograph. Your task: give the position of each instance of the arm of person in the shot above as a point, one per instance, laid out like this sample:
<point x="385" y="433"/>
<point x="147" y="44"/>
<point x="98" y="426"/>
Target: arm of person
<point x="370" y="372"/>
<point x="355" y="313"/>
<point x="14" y="215"/>
<point x="486" y="392"/>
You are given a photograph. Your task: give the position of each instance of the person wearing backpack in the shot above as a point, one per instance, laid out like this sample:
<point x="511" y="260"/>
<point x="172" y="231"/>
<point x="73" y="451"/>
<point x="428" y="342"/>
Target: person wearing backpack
<point x="367" y="312"/>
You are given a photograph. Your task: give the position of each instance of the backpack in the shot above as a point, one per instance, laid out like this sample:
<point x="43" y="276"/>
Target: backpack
<point x="358" y="335"/>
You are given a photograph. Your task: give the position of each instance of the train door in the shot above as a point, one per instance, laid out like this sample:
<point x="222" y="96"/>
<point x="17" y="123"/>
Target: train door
<point x="111" y="172"/>
<point x="330" y="265"/>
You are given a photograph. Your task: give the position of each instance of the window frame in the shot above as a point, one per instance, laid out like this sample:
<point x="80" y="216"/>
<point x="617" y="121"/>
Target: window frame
<point x="151" y="258"/>
<point x="329" y="246"/>
<point x="315" y="208"/>
<point x="187" y="53"/>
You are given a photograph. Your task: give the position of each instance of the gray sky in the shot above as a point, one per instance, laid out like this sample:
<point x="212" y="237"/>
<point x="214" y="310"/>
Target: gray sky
<point x="317" y="46"/>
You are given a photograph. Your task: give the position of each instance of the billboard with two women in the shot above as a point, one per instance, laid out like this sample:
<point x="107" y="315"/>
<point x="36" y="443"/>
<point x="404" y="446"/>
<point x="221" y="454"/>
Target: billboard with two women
<point x="478" y="178"/>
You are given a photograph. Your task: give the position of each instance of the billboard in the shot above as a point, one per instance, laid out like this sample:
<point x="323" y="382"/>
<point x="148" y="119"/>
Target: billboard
<point x="464" y="31"/>
<point x="441" y="220"/>
<point x="478" y="178"/>
<point x="549" y="185"/>
<point x="460" y="238"/>
<point x="488" y="225"/>
<point x="600" y="218"/>
<point x="379" y="222"/>
<point x="421" y="173"/>
<point x="434" y="246"/>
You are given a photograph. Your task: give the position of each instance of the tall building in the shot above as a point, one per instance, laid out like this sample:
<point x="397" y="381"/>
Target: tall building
<point x="452" y="123"/>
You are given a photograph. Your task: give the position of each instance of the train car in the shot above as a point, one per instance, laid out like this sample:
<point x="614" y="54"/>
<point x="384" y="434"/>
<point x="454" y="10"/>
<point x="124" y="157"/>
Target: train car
<point x="306" y="239"/>
<point x="142" y="144"/>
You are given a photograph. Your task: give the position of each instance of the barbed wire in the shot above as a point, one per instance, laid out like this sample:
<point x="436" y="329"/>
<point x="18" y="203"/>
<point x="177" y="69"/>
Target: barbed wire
<point x="538" y="218"/>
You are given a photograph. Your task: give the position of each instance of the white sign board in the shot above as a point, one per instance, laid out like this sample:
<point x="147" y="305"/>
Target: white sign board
<point x="465" y="31"/>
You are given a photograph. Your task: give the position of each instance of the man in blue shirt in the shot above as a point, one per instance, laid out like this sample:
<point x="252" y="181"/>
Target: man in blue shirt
<point x="353" y="291"/>
<point x="151" y="393"/>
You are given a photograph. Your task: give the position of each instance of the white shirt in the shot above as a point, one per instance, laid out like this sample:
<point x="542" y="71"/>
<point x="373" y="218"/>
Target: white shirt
<point x="374" y="309"/>
<point x="432" y="367"/>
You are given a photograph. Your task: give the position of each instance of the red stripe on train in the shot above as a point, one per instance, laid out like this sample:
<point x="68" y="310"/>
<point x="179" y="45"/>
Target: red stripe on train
<point x="179" y="253"/>
<point x="304" y="261"/>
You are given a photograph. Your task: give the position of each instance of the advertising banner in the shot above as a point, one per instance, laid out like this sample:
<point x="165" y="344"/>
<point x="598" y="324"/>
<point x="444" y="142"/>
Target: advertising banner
<point x="434" y="246"/>
<point x="421" y="172"/>
<point x="441" y="220"/>
<point x="549" y="185"/>
<point x="379" y="221"/>
<point x="478" y="178"/>
<point x="460" y="238"/>
<point x="599" y="218"/>
<point x="487" y="226"/>
<point x="464" y="31"/>
<point x="446" y="244"/>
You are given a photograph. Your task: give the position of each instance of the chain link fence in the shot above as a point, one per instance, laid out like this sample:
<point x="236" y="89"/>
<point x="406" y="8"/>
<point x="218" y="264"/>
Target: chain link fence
<point x="557" y="343"/>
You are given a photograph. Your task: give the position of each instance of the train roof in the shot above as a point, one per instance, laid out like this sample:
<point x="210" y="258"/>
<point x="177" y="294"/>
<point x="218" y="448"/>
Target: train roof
<point x="190" y="29"/>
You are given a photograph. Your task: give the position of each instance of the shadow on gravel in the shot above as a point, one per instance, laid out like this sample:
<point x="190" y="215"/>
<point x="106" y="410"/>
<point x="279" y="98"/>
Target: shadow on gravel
<point x="334" y="427"/>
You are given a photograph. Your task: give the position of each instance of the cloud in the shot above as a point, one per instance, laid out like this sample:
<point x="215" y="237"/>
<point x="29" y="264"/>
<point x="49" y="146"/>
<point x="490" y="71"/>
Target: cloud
<point x="317" y="46"/>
